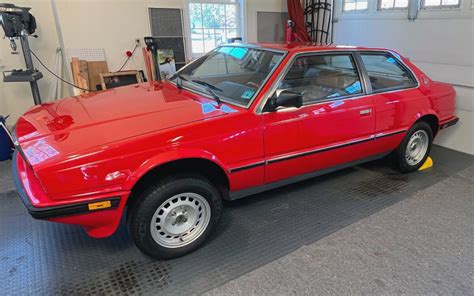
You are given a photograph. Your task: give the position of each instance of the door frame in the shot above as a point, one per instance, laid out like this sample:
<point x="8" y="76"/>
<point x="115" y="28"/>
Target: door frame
<point x="362" y="71"/>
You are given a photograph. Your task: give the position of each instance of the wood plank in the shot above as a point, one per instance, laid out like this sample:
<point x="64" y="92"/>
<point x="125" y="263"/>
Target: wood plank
<point x="95" y="69"/>
<point x="80" y="75"/>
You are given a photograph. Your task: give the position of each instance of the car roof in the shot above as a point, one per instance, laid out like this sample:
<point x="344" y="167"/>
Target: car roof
<point x="303" y="47"/>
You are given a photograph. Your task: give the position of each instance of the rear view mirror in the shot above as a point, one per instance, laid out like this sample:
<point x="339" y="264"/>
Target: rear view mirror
<point x="286" y="99"/>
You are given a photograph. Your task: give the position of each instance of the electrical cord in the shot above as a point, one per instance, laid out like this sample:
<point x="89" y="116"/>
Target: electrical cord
<point x="128" y="58"/>
<point x="55" y="75"/>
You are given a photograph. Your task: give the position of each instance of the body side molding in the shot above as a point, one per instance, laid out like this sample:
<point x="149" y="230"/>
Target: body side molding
<point x="265" y="187"/>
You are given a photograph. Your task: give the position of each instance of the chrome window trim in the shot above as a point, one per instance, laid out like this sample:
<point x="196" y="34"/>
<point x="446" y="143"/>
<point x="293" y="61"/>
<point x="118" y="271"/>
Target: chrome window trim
<point x="360" y="68"/>
<point x="257" y="92"/>
<point x="399" y="61"/>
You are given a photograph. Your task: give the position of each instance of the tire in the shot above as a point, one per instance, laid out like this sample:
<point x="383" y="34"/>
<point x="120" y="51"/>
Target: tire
<point x="420" y="139"/>
<point x="185" y="210"/>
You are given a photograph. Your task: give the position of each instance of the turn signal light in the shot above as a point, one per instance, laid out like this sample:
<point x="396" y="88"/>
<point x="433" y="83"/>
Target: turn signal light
<point x="99" y="205"/>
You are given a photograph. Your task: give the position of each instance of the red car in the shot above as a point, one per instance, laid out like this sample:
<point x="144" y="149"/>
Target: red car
<point x="240" y="120"/>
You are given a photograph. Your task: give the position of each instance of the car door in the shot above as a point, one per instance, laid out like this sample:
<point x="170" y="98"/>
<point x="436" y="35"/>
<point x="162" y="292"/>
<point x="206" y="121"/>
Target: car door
<point x="333" y="127"/>
<point x="395" y="95"/>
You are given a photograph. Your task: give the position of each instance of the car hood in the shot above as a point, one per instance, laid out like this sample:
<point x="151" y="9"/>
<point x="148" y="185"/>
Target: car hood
<point x="69" y="126"/>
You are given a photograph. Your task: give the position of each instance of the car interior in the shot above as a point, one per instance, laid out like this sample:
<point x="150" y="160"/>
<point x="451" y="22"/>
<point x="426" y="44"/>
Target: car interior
<point x="385" y="72"/>
<point x="237" y="73"/>
<point x="320" y="77"/>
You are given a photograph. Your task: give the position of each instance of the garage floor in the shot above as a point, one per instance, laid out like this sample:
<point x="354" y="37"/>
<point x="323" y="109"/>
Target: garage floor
<point x="366" y="229"/>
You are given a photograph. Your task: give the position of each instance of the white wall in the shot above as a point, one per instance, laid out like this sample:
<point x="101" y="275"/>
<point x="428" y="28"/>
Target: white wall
<point x="254" y="6"/>
<point x="441" y="43"/>
<point x="15" y="98"/>
<point x="110" y="24"/>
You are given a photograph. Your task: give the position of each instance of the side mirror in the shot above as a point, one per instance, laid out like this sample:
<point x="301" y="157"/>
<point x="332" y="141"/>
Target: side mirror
<point x="285" y="98"/>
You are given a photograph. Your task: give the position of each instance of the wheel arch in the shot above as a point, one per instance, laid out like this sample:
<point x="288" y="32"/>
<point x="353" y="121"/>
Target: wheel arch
<point x="432" y="119"/>
<point x="196" y="163"/>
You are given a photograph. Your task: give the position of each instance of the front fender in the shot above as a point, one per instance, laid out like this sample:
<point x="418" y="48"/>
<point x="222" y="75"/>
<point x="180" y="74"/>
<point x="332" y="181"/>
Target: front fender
<point x="169" y="156"/>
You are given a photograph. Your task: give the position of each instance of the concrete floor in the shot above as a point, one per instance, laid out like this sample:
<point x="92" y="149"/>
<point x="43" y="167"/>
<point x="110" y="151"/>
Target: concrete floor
<point x="422" y="244"/>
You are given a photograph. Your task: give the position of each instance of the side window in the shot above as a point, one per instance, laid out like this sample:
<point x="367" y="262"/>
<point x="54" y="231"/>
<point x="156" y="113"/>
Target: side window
<point x="385" y="72"/>
<point x="322" y="77"/>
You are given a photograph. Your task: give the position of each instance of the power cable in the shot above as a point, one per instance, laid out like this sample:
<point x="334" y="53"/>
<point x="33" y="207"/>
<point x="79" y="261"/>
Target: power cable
<point x="128" y="58"/>
<point x="57" y="76"/>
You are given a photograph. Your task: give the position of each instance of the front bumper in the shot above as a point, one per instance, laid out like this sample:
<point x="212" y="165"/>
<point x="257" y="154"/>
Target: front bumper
<point x="99" y="215"/>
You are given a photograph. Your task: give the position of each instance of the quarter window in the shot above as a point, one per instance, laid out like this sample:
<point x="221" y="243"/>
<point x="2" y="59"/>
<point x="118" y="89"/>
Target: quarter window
<point x="385" y="72"/>
<point x="323" y="77"/>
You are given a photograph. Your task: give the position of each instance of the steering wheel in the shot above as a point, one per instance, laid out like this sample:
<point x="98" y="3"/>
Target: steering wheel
<point x="253" y="84"/>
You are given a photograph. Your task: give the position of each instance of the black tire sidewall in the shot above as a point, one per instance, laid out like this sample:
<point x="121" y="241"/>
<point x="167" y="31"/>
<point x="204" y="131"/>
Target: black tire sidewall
<point x="144" y="209"/>
<point x="401" y="161"/>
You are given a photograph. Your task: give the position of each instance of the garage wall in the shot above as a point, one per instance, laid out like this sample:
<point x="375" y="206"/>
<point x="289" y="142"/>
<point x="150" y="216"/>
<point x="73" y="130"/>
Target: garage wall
<point x="15" y="98"/>
<point x="440" y="42"/>
<point x="252" y="7"/>
<point x="109" y="24"/>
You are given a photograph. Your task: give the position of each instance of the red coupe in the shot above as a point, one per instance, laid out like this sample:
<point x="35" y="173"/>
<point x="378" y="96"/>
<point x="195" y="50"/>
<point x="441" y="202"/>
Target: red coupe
<point x="240" y="120"/>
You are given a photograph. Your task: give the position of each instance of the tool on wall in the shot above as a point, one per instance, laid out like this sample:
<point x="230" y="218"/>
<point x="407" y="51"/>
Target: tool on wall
<point x="152" y="46"/>
<point x="18" y="23"/>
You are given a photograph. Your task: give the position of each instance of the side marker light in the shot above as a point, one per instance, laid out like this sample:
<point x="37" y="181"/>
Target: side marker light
<point x="99" y="205"/>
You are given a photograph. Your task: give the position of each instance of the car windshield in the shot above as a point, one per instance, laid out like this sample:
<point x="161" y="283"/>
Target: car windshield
<point x="232" y="73"/>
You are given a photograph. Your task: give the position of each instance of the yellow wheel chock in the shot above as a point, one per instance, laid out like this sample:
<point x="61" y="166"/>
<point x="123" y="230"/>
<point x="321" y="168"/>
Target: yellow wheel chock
<point x="428" y="163"/>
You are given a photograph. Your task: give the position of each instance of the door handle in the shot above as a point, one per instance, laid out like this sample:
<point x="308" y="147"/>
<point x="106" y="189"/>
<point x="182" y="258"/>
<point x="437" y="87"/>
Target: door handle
<point x="365" y="112"/>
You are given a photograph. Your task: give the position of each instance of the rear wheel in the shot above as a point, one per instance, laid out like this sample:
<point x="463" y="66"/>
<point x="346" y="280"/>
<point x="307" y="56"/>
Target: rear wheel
<point x="415" y="148"/>
<point x="175" y="217"/>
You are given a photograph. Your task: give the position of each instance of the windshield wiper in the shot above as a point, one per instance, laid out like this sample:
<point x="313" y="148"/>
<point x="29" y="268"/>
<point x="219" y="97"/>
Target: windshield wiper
<point x="210" y="89"/>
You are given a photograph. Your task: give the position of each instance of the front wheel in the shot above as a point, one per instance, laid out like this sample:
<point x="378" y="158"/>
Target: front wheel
<point x="415" y="148"/>
<point x="175" y="217"/>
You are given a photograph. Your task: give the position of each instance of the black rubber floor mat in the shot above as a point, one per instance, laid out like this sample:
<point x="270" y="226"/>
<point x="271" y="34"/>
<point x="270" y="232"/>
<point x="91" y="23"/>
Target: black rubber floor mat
<point x="38" y="257"/>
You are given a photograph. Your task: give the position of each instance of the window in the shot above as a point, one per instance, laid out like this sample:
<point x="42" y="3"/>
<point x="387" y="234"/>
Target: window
<point x="322" y="77"/>
<point x="385" y="72"/>
<point x="392" y="4"/>
<point x="235" y="73"/>
<point x="167" y="30"/>
<point x="440" y="3"/>
<point x="355" y="5"/>
<point x="212" y="23"/>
